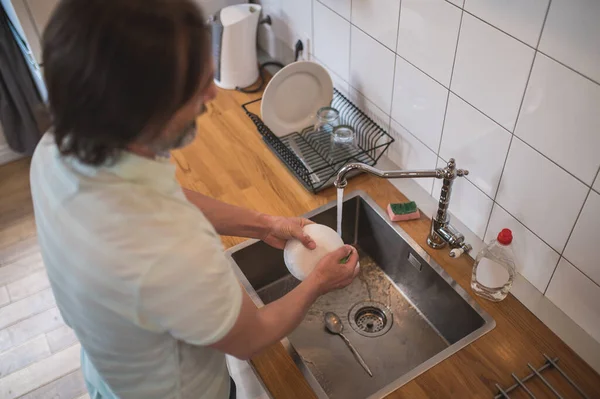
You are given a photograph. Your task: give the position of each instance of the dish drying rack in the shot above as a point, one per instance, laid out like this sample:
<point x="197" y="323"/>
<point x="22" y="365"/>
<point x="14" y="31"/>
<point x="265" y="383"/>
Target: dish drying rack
<point x="307" y="153"/>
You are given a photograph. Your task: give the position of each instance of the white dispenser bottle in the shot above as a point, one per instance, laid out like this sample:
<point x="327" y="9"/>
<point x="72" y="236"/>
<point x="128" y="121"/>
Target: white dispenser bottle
<point x="495" y="268"/>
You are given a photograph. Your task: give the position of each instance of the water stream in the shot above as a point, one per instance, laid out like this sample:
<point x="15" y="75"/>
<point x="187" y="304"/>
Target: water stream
<point x="340" y="204"/>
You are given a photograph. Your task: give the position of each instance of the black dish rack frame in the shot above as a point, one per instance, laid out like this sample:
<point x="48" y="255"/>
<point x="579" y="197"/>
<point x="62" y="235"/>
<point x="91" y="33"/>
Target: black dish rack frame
<point x="307" y="154"/>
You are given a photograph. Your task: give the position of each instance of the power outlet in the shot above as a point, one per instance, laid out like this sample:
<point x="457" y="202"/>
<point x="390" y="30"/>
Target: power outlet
<point x="306" y="54"/>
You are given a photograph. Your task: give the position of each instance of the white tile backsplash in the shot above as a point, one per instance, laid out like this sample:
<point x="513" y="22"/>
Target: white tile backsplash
<point x="581" y="250"/>
<point x="571" y="35"/>
<point x="476" y="142"/>
<point x="491" y="70"/>
<point x="279" y="37"/>
<point x="332" y="40"/>
<point x="485" y="55"/>
<point x="521" y="19"/>
<point x="409" y="153"/>
<point x="560" y="117"/>
<point x="338" y="82"/>
<point x="459" y="3"/>
<point x="369" y="108"/>
<point x="540" y="194"/>
<point x="467" y="203"/>
<point x="297" y="15"/>
<point x="577" y="296"/>
<point x="427" y="36"/>
<point x="379" y="18"/>
<point x="342" y="7"/>
<point x="371" y="69"/>
<point x="535" y="259"/>
<point x="419" y="103"/>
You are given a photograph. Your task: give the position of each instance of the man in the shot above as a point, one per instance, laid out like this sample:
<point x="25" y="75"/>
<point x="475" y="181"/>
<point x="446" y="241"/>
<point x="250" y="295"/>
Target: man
<point x="135" y="262"/>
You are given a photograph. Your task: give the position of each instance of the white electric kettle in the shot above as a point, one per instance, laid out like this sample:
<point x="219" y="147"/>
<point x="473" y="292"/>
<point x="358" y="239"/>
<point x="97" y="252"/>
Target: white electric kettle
<point x="234" y="45"/>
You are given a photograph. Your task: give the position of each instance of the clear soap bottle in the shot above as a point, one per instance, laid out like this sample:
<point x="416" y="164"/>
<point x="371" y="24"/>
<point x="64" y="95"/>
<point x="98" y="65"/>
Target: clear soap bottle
<point x="495" y="268"/>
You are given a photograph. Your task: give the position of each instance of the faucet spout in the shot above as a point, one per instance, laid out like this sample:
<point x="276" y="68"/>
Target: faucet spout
<point x="442" y="233"/>
<point x="341" y="182"/>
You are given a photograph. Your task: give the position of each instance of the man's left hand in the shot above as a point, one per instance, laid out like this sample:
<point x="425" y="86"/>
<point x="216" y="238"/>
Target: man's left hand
<point x="281" y="229"/>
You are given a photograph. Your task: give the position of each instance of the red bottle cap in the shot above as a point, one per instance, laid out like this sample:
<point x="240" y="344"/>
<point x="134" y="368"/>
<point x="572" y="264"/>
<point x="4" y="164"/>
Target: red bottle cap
<point x="505" y="237"/>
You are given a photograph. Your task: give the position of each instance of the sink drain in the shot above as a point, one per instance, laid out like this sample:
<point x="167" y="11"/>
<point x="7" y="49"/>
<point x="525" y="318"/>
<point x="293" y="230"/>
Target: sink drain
<point x="371" y="319"/>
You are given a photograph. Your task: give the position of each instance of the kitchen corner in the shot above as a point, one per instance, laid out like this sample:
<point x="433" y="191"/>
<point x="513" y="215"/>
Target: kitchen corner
<point x="229" y="161"/>
<point x="492" y="103"/>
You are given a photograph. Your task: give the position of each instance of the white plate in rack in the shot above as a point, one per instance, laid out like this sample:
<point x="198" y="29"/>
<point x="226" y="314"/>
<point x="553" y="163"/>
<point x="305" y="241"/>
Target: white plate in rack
<point x="293" y="97"/>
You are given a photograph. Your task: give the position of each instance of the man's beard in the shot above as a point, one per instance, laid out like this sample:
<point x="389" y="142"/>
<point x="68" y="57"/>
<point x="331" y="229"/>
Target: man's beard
<point x="184" y="137"/>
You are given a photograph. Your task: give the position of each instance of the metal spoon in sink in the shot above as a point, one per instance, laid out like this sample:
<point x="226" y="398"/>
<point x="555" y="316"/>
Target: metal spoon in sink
<point x="335" y="326"/>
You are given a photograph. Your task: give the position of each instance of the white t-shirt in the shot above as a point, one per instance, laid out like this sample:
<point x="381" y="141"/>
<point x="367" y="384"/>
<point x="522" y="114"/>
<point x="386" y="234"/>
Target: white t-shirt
<point x="138" y="272"/>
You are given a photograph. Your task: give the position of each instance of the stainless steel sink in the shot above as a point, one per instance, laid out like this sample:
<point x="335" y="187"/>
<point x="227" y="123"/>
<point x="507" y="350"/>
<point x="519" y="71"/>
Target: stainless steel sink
<point x="403" y="313"/>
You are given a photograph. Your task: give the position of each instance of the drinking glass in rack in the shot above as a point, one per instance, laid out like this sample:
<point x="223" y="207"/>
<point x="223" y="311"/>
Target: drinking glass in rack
<point x="341" y="143"/>
<point x="327" y="119"/>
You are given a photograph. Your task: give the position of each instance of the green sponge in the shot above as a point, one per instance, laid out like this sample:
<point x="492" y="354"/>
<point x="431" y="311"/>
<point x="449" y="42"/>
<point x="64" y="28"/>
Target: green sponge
<point x="345" y="259"/>
<point x="403" y="211"/>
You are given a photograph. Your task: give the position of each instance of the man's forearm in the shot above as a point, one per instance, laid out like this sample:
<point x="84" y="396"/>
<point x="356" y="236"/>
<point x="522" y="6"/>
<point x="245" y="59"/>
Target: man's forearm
<point x="255" y="329"/>
<point x="278" y="319"/>
<point x="229" y="220"/>
<point x="285" y="314"/>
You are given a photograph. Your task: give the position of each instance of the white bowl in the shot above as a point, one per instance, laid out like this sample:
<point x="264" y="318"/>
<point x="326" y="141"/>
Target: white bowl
<point x="300" y="260"/>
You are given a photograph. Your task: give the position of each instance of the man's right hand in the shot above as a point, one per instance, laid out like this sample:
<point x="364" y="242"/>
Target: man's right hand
<point x="255" y="329"/>
<point x="331" y="274"/>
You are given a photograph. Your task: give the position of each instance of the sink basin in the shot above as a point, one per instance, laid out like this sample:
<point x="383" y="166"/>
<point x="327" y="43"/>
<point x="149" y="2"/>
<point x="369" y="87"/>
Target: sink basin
<point x="403" y="313"/>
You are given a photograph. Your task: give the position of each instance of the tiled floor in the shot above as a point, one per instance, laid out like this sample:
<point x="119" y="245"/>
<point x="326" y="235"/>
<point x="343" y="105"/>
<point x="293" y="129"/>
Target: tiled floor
<point x="39" y="354"/>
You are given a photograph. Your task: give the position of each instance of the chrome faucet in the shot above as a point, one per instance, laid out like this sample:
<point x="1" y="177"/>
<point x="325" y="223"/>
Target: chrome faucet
<point x="442" y="232"/>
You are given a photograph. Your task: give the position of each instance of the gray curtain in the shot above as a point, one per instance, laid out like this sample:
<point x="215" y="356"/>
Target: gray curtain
<point x="22" y="112"/>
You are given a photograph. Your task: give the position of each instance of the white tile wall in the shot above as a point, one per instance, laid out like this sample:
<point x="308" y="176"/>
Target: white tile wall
<point x="379" y="116"/>
<point x="577" y="296"/>
<point x="427" y="36"/>
<point x="371" y="69"/>
<point x="467" y="203"/>
<point x="379" y="18"/>
<point x="581" y="250"/>
<point x="332" y="40"/>
<point x="477" y="142"/>
<point x="342" y="7"/>
<point x="542" y="182"/>
<point x="571" y="35"/>
<point x="459" y="3"/>
<point x="419" y="103"/>
<point x="409" y="153"/>
<point x="491" y="70"/>
<point x="535" y="259"/>
<point x="560" y="117"/>
<point x="540" y="194"/>
<point x="338" y="82"/>
<point x="278" y="37"/>
<point x="521" y="19"/>
<point x="298" y="14"/>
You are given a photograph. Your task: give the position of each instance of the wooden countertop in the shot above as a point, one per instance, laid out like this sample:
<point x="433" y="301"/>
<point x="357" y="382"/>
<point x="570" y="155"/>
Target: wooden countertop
<point x="229" y="161"/>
